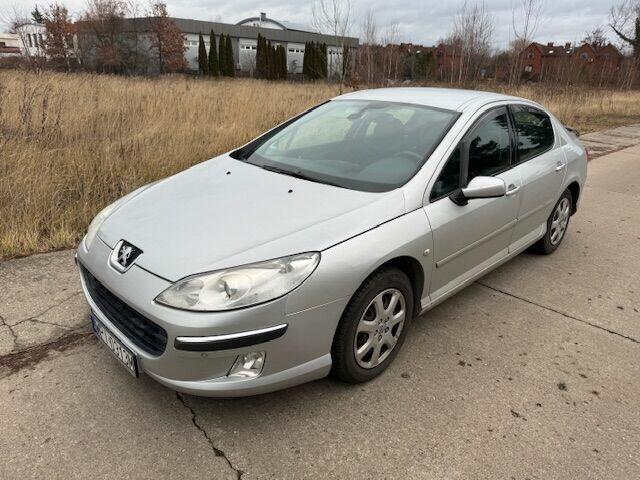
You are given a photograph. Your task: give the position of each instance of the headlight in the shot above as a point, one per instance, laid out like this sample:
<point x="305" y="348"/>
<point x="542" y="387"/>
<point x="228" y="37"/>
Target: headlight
<point x="99" y="219"/>
<point x="240" y="286"/>
<point x="96" y="223"/>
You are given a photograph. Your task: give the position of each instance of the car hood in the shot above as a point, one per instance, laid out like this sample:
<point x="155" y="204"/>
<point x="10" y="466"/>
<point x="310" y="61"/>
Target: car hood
<point x="224" y="213"/>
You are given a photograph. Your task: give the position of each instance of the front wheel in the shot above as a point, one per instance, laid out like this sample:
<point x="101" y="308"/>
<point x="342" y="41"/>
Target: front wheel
<point x="557" y="224"/>
<point x="373" y="326"/>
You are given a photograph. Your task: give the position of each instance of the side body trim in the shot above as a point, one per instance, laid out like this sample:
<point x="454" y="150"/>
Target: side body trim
<point x="476" y="243"/>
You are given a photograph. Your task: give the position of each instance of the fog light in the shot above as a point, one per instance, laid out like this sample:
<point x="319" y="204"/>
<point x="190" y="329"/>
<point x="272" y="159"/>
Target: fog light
<point x="248" y="365"/>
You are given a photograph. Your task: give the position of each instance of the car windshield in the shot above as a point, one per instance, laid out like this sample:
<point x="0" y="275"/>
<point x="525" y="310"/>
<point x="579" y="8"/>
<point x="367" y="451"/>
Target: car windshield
<point x="362" y="145"/>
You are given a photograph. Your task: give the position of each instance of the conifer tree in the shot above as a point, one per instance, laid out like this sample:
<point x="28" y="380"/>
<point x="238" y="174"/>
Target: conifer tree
<point x="310" y="68"/>
<point x="203" y="63"/>
<point x="260" y="57"/>
<point x="305" y="60"/>
<point x="322" y="60"/>
<point x="317" y="61"/>
<point x="222" y="54"/>
<point x="277" y="62"/>
<point x="313" y="61"/>
<point x="213" y="56"/>
<point x="269" y="61"/>
<point x="37" y="16"/>
<point x="346" y="64"/>
<point x="283" y="62"/>
<point x="231" y="67"/>
<point x="309" y="53"/>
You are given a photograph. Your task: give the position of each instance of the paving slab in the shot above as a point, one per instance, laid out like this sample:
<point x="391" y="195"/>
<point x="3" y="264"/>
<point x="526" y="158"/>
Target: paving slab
<point x="7" y="340"/>
<point x="41" y="299"/>
<point x="595" y="275"/>
<point x="76" y="416"/>
<point x="609" y="141"/>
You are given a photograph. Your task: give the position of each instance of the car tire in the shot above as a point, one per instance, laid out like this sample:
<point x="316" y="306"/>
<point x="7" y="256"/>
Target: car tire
<point x="370" y="309"/>
<point x="555" y="233"/>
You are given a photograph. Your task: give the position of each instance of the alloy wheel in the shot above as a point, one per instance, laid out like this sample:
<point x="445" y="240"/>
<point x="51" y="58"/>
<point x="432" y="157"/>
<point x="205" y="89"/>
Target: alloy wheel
<point x="379" y="328"/>
<point x="560" y="221"/>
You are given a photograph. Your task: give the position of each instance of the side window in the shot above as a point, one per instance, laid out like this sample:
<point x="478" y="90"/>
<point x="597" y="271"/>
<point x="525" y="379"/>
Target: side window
<point x="535" y="131"/>
<point x="490" y="147"/>
<point x="489" y="154"/>
<point x="449" y="179"/>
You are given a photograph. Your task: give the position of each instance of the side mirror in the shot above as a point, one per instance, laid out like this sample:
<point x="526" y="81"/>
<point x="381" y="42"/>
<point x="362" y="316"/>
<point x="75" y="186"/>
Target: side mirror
<point x="480" y="187"/>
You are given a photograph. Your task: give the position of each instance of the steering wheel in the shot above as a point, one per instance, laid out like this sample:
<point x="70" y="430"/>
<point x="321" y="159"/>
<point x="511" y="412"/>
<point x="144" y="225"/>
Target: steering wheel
<point x="409" y="155"/>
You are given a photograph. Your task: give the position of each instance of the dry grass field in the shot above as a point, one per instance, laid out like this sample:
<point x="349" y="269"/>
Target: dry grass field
<point x="71" y="144"/>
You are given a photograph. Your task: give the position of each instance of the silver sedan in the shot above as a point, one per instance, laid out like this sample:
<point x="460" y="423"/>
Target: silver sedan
<point x="309" y="250"/>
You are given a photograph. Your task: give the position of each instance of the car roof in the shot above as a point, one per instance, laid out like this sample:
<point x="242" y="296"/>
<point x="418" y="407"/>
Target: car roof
<point x="446" y="98"/>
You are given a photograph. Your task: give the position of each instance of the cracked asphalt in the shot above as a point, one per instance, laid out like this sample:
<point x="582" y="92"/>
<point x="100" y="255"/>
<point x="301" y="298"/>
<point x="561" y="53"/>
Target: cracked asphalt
<point x="532" y="372"/>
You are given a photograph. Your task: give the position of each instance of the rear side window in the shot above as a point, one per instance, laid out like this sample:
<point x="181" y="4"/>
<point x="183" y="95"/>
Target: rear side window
<point x="535" y="131"/>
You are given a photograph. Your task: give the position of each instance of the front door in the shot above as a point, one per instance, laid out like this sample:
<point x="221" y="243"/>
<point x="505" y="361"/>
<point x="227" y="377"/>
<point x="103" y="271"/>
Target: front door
<point x="469" y="238"/>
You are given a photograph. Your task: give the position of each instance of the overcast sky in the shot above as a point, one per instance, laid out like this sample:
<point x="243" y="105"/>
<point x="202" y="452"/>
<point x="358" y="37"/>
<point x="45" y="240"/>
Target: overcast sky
<point x="420" y="21"/>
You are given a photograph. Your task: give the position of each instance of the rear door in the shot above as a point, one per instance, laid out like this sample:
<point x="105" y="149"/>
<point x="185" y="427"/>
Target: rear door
<point x="541" y="164"/>
<point x="468" y="238"/>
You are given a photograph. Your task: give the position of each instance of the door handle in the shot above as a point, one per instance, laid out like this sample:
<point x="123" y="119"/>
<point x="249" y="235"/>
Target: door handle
<point x="512" y="190"/>
<point x="560" y="166"/>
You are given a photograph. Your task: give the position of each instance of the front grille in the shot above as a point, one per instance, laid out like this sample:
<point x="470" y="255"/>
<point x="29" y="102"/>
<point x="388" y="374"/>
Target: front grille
<point x="143" y="332"/>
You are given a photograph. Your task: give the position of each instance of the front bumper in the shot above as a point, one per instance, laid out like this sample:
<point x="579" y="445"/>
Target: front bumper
<point x="295" y="354"/>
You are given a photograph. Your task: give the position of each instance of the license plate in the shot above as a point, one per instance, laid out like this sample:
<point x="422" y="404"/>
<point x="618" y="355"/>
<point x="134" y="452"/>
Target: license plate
<point x="122" y="353"/>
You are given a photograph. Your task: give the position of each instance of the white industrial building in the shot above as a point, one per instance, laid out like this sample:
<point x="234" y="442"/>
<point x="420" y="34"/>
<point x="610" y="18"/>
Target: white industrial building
<point x="9" y="45"/>
<point x="247" y="47"/>
<point x="244" y="36"/>
<point x="27" y="39"/>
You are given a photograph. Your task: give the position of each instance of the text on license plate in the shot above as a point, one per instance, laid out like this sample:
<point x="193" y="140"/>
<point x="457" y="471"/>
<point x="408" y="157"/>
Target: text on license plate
<point x="122" y="353"/>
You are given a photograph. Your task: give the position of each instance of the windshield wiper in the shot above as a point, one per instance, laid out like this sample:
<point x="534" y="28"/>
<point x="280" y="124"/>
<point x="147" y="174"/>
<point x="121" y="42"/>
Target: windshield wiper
<point x="296" y="174"/>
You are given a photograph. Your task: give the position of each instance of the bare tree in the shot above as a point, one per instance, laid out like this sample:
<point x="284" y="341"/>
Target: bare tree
<point x="470" y="43"/>
<point x="596" y="37"/>
<point x="58" y="41"/>
<point x="133" y="9"/>
<point x="109" y="43"/>
<point x="101" y="35"/>
<point x="524" y="23"/>
<point x="391" y="51"/>
<point x="369" y="43"/>
<point x="167" y="40"/>
<point x="625" y="21"/>
<point x="334" y="17"/>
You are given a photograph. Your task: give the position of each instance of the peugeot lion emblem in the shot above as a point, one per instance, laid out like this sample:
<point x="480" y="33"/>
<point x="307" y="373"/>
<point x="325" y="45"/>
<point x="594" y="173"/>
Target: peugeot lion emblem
<point x="124" y="255"/>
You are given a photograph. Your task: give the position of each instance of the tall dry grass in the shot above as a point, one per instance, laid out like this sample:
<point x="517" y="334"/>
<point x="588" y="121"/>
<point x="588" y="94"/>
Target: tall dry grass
<point x="71" y="144"/>
<point x="585" y="109"/>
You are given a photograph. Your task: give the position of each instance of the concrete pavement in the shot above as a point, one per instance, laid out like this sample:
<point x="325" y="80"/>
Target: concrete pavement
<point x="612" y="140"/>
<point x="532" y="372"/>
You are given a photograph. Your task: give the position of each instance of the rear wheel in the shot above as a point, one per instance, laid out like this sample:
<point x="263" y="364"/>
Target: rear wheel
<point x="557" y="224"/>
<point x="373" y="326"/>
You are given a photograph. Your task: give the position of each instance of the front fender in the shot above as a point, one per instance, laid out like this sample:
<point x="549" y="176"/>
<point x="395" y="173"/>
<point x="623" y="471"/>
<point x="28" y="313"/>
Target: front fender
<point x="343" y="267"/>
